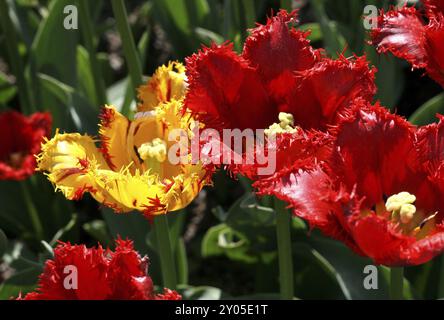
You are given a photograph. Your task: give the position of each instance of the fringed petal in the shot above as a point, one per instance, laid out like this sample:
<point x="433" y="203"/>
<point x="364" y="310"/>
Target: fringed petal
<point x="324" y="91"/>
<point x="372" y="151"/>
<point x="225" y="92"/>
<point x="168" y="83"/>
<point x="403" y="33"/>
<point x="277" y="50"/>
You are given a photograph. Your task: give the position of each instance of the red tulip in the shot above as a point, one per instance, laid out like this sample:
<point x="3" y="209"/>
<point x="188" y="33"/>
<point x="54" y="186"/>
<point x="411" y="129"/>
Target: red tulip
<point x="415" y="36"/>
<point x="380" y="190"/>
<point x="278" y="71"/>
<point x="277" y="75"/>
<point x="101" y="275"/>
<point x="21" y="140"/>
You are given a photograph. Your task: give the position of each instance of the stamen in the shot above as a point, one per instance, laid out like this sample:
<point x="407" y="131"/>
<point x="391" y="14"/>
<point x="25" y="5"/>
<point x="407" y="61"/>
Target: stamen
<point x="155" y="149"/>
<point x="286" y="125"/>
<point x="401" y="205"/>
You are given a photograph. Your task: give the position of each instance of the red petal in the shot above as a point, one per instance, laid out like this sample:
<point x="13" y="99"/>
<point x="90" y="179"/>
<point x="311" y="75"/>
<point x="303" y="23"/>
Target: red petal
<point x="425" y="249"/>
<point x="430" y="150"/>
<point x="21" y="139"/>
<point x="224" y="92"/>
<point x="430" y="145"/>
<point x="275" y="49"/>
<point x="371" y="152"/>
<point x="310" y="194"/>
<point x="327" y="89"/>
<point x="377" y="238"/>
<point x="402" y="33"/>
<point x="169" y="295"/>
<point x="101" y="274"/>
<point x="290" y="151"/>
<point x="434" y="7"/>
<point x="435" y="49"/>
<point x="127" y="274"/>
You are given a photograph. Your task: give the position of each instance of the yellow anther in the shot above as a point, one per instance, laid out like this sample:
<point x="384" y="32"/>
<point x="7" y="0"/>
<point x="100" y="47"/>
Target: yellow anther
<point x="402" y="204"/>
<point x="156" y="149"/>
<point x="286" y="119"/>
<point x="407" y="212"/>
<point x="286" y="125"/>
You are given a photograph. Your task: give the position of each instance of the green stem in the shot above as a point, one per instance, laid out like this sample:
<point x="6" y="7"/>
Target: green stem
<point x="182" y="262"/>
<point x="90" y="44"/>
<point x="283" y="232"/>
<point x="441" y="279"/>
<point x="14" y="57"/>
<point x="165" y="252"/>
<point x="32" y="211"/>
<point x="129" y="46"/>
<point x="396" y="283"/>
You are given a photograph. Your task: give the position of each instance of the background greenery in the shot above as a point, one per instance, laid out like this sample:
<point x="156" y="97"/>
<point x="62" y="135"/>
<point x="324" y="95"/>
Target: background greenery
<point x="224" y="242"/>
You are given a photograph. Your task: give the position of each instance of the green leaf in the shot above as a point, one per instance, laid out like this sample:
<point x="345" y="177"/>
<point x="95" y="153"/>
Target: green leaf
<point x="13" y="217"/>
<point x="54" y="53"/>
<point x="3" y="243"/>
<point x="315" y="31"/>
<point x="83" y="116"/>
<point x="63" y="231"/>
<point x="54" y="47"/>
<point x="207" y="36"/>
<point x="26" y="274"/>
<point x="20" y="283"/>
<point x="200" y="293"/>
<point x="97" y="230"/>
<point x="347" y="268"/>
<point x="129" y="225"/>
<point x="84" y="72"/>
<point x="334" y="41"/>
<point x="7" y="90"/>
<point x="223" y="240"/>
<point x="426" y="114"/>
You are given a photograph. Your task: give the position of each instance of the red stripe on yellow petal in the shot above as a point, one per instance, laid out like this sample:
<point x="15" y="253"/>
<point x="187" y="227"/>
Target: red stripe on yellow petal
<point x="113" y="135"/>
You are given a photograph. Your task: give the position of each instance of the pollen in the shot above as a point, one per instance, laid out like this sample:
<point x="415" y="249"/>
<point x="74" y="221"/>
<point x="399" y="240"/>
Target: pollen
<point x="156" y="149"/>
<point x="285" y="125"/>
<point x="401" y="205"/>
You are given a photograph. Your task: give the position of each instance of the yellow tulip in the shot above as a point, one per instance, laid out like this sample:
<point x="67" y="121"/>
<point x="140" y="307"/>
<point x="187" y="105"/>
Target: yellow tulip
<point x="130" y="169"/>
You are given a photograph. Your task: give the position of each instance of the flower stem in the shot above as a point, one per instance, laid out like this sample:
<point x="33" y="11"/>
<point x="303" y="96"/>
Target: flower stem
<point x="15" y="59"/>
<point x="32" y="211"/>
<point x="165" y="251"/>
<point x="283" y="232"/>
<point x="396" y="283"/>
<point x="129" y="46"/>
<point x="90" y="44"/>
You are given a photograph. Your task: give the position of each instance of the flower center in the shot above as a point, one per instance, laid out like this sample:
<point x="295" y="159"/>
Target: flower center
<point x="411" y="221"/>
<point x="155" y="149"/>
<point x="286" y="125"/>
<point x="401" y="206"/>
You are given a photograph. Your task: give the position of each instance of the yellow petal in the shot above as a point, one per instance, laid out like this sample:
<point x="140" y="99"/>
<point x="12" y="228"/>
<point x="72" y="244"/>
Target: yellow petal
<point x="69" y="161"/>
<point x="125" y="191"/>
<point x="113" y="130"/>
<point x="167" y="83"/>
